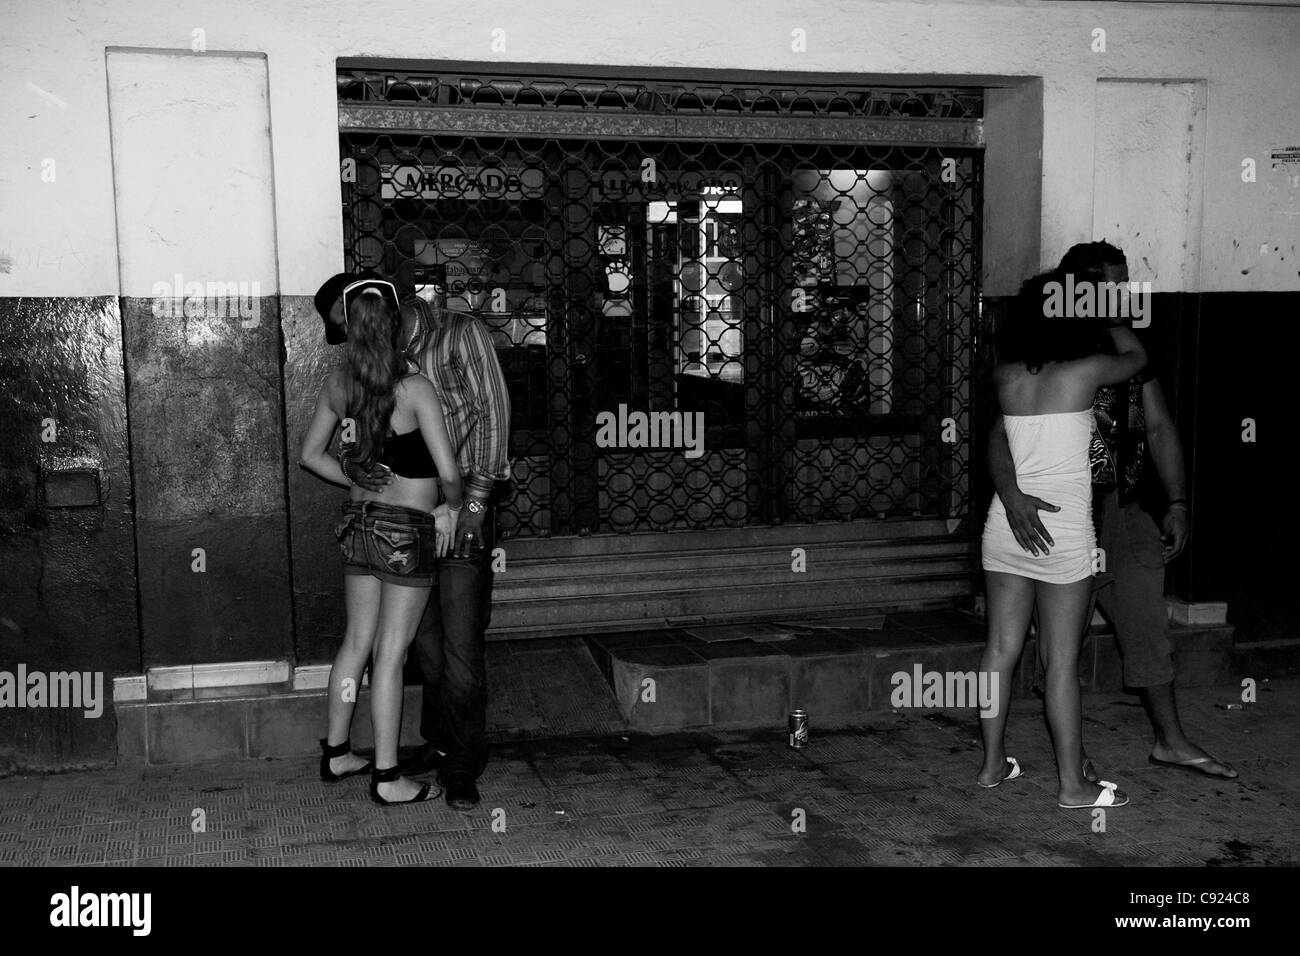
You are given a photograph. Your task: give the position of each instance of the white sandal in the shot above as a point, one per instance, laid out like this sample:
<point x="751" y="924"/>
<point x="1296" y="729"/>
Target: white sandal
<point x="1015" y="772"/>
<point x="1104" y="799"/>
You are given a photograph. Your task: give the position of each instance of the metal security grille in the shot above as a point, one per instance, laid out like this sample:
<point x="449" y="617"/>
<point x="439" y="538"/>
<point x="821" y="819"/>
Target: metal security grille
<point x="773" y="323"/>
<point x="585" y="93"/>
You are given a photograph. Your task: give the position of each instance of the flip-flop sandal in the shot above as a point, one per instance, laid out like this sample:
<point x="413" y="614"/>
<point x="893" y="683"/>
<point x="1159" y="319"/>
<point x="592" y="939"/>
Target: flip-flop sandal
<point x="1089" y="765"/>
<point x="1104" y="799"/>
<point x="1194" y="765"/>
<point x="1015" y="772"/>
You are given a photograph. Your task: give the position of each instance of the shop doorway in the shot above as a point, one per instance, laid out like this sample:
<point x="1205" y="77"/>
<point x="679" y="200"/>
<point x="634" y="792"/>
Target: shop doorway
<point x="759" y="311"/>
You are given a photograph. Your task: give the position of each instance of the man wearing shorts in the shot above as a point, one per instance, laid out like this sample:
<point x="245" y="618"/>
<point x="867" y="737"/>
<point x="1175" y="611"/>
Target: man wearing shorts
<point x="1142" y="515"/>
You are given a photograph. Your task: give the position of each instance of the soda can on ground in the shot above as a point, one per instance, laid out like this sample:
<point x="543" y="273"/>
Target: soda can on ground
<point x="798" y="728"/>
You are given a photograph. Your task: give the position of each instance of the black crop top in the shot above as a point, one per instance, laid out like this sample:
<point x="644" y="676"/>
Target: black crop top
<point x="408" y="456"/>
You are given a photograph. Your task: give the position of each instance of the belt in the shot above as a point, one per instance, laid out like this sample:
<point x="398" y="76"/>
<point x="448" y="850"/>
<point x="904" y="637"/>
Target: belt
<point x="378" y="511"/>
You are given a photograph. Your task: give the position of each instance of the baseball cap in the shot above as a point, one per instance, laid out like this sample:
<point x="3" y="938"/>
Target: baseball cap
<point x="328" y="294"/>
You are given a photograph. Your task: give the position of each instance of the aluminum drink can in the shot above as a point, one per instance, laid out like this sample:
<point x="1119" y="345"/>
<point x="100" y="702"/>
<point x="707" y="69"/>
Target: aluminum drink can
<point x="798" y="728"/>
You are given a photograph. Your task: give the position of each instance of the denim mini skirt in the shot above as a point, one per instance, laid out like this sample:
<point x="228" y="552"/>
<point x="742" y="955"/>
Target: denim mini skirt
<point x="395" y="544"/>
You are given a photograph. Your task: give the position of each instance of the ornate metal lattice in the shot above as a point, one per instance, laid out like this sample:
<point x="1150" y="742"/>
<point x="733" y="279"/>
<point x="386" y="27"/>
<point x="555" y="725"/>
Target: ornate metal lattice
<point x="560" y="92"/>
<point x="811" y="306"/>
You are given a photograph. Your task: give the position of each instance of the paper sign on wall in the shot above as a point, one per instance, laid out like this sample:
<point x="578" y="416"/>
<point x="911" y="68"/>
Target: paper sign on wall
<point x="1285" y="157"/>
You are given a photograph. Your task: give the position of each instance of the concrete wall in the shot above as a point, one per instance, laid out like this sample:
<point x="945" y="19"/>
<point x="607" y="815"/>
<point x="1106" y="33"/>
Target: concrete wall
<point x="235" y="177"/>
<point x="60" y="236"/>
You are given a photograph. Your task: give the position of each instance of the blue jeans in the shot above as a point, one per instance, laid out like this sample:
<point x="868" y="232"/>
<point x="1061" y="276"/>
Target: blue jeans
<point x="450" y="647"/>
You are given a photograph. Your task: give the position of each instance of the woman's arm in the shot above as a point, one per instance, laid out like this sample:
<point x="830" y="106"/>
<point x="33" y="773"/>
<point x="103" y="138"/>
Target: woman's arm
<point x="313" y="455"/>
<point x="1002" y="468"/>
<point x="428" y="415"/>
<point x="1129" y="358"/>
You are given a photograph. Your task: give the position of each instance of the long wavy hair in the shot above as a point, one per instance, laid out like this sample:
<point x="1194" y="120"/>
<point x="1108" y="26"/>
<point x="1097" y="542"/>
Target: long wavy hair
<point x="374" y="365"/>
<point x="1030" y="335"/>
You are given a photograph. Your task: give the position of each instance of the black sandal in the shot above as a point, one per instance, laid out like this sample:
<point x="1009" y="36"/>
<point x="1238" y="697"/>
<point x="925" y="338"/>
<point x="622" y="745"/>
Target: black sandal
<point x="328" y="753"/>
<point x="378" y="776"/>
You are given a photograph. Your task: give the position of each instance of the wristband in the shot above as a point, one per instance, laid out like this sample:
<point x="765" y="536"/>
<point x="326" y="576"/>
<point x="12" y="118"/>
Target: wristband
<point x="1179" y="501"/>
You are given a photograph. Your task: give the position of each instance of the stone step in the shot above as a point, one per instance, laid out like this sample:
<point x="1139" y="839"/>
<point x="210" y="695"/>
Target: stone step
<point x="840" y="670"/>
<point x="632" y="583"/>
<point x="573" y="585"/>
<point x="536" y="689"/>
<point x="728" y="540"/>
<point x="672" y="681"/>
<point x="882" y="554"/>
<point x="587" y="613"/>
<point x="1262" y="660"/>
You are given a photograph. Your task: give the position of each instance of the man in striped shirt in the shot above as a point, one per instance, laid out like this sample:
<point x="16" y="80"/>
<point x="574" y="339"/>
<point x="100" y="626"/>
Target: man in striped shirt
<point x="454" y="351"/>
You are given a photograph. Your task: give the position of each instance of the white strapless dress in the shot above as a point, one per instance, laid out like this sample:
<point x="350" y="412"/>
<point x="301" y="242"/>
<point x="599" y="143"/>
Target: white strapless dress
<point x="1051" y="457"/>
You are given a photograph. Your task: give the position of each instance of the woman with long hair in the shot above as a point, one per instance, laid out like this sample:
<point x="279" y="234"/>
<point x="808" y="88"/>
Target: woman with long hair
<point x="1050" y="364"/>
<point x="390" y="541"/>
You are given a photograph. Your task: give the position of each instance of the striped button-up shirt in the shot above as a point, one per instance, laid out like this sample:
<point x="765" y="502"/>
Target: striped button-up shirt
<point x="454" y="351"/>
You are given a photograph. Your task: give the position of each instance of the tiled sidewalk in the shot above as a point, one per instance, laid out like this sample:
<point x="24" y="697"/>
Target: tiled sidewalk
<point x="897" y="792"/>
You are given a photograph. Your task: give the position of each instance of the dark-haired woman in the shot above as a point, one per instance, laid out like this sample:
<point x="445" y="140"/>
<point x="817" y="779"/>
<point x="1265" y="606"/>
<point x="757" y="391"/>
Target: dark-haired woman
<point x="1049" y="367"/>
<point x="390" y="542"/>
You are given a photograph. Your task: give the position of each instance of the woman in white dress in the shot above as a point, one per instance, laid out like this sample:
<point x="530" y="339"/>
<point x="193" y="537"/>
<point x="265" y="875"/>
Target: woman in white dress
<point x="1049" y="367"/>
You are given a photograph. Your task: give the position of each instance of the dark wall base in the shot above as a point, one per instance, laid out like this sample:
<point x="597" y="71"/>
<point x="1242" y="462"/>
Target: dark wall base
<point x="54" y="740"/>
<point x="67" y="545"/>
<point x="235" y="610"/>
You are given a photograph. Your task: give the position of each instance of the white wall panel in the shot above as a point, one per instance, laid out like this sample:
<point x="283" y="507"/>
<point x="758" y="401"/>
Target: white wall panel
<point x="192" y="171"/>
<point x="58" y="238"/>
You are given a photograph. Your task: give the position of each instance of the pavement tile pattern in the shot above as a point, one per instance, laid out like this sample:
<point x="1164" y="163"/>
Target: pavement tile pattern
<point x="898" y="791"/>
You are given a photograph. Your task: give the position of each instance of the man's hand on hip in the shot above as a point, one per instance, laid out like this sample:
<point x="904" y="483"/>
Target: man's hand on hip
<point x="1022" y="515"/>
<point x="469" y="533"/>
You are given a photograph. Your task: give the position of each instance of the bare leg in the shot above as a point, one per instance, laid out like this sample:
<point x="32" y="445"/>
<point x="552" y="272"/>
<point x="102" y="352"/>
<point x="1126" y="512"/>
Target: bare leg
<point x="361" y="593"/>
<point x="1089" y="768"/>
<point x="1010" y="599"/>
<point x="1171" y="742"/>
<point x="1062" y="608"/>
<point x="399" y="616"/>
<point x="1040" y="677"/>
